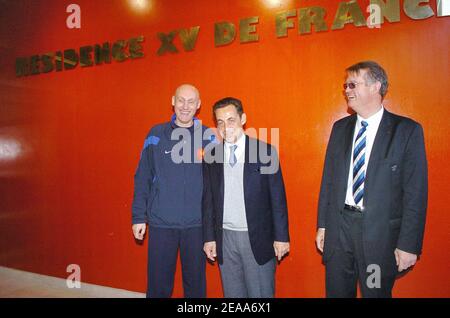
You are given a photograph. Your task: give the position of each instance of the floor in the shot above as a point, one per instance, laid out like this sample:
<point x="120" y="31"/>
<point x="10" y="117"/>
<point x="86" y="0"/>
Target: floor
<point x="19" y="284"/>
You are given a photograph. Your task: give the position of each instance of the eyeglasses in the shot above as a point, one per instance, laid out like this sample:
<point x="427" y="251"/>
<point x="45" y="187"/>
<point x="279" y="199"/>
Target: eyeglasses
<point x="352" y="85"/>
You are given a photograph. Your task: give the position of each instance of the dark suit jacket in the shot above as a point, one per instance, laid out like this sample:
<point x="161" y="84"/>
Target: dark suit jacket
<point x="265" y="204"/>
<point x="395" y="188"/>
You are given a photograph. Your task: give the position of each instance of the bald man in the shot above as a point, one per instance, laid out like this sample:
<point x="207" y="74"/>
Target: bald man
<point x="167" y="199"/>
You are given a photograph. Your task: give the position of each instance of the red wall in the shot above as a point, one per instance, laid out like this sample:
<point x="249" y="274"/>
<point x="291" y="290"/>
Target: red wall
<point x="65" y="196"/>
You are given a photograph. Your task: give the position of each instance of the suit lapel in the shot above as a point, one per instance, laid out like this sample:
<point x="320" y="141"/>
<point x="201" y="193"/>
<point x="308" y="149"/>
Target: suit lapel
<point x="348" y="144"/>
<point x="246" y="163"/>
<point x="220" y="177"/>
<point x="382" y="142"/>
<point x="380" y="150"/>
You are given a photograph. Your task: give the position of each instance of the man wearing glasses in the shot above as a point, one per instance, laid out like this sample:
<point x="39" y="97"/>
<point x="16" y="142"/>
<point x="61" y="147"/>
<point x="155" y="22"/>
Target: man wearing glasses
<point x="373" y="197"/>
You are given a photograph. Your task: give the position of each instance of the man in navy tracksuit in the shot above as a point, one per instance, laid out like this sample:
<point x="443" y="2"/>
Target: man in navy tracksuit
<point x="168" y="196"/>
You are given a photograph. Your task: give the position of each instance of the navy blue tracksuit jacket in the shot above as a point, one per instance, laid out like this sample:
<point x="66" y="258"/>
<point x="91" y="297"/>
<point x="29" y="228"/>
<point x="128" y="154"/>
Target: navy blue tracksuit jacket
<point x="169" y="194"/>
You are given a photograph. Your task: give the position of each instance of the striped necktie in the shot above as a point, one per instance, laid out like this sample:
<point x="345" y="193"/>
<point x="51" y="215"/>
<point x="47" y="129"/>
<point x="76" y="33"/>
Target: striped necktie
<point x="233" y="158"/>
<point x="359" y="157"/>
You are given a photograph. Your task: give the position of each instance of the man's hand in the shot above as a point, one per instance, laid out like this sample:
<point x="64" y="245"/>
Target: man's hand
<point x="210" y="250"/>
<point x="139" y="231"/>
<point x="320" y="238"/>
<point x="404" y="260"/>
<point x="281" y="248"/>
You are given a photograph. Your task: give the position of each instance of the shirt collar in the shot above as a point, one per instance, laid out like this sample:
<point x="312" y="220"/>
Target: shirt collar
<point x="240" y="142"/>
<point x="373" y="120"/>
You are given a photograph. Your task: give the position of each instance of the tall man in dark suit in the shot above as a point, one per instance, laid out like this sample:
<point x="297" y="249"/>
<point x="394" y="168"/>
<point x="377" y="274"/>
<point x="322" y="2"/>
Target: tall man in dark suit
<point x="245" y="221"/>
<point x="373" y="197"/>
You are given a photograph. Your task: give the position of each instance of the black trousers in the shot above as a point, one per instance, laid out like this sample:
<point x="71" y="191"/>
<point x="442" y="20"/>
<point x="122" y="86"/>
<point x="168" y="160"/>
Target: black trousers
<point x="163" y="246"/>
<point x="347" y="265"/>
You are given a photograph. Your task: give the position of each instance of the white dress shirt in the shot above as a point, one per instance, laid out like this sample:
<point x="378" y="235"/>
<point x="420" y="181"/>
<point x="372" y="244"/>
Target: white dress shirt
<point x="371" y="131"/>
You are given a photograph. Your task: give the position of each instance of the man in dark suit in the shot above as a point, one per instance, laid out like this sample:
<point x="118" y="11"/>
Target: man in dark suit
<point x="373" y="197"/>
<point x="245" y="221"/>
